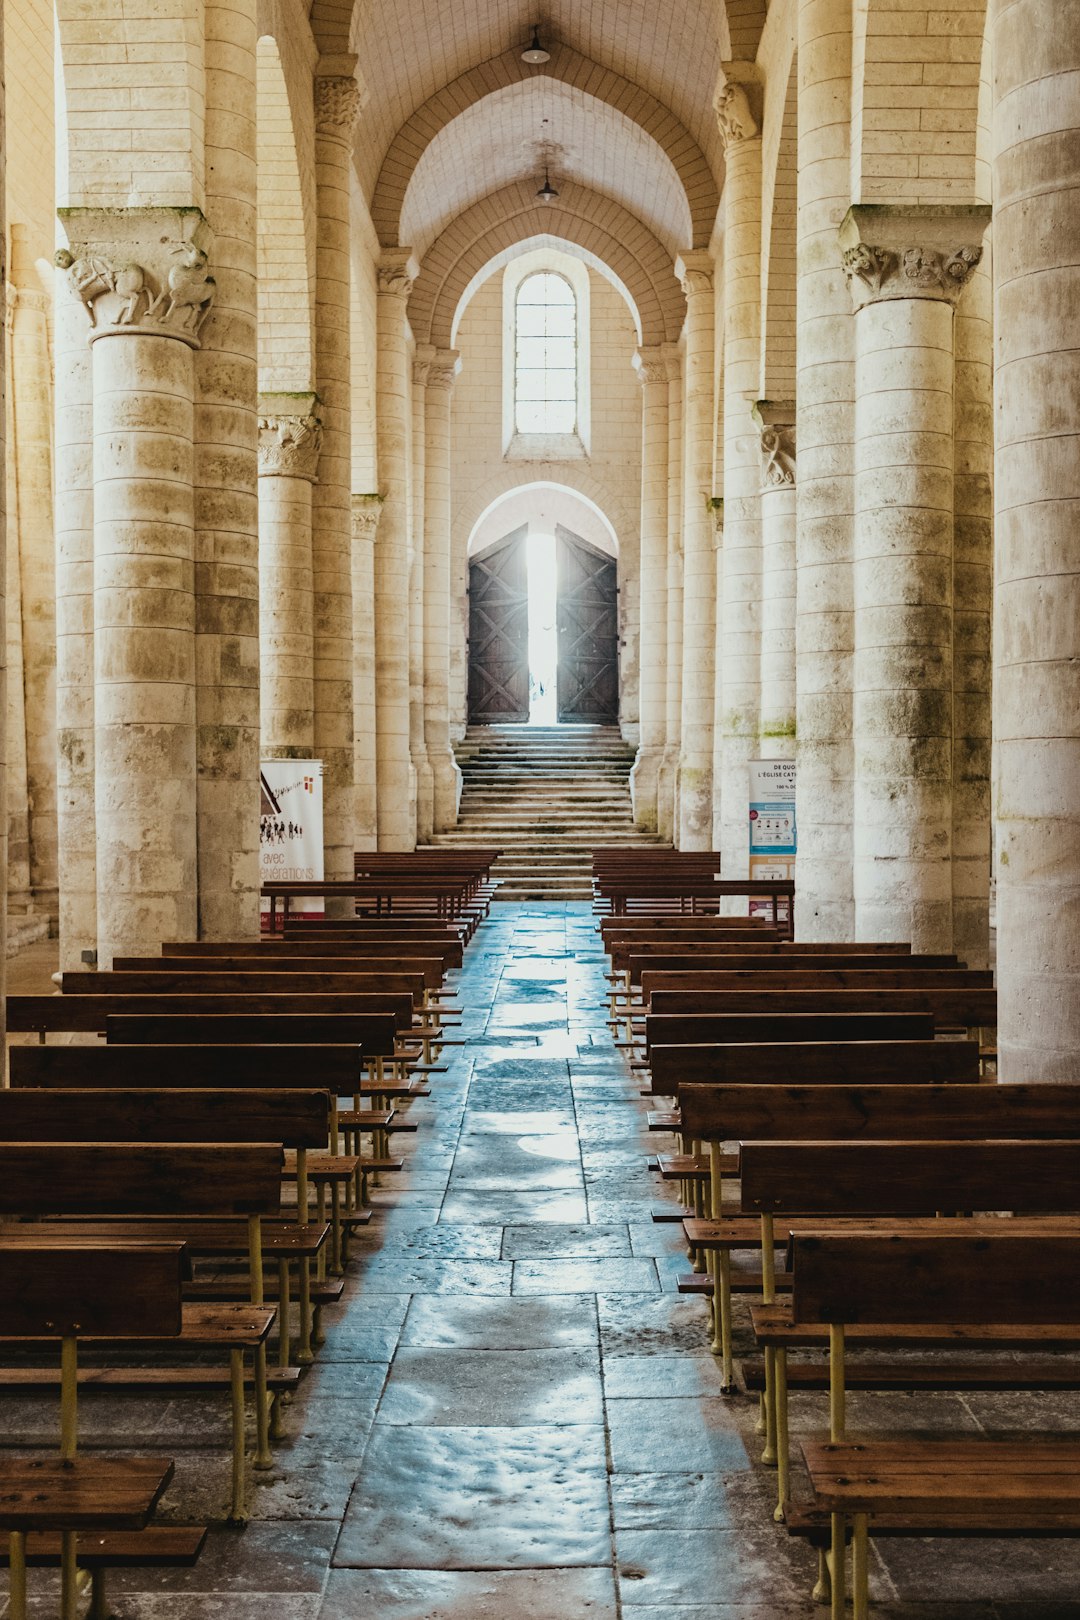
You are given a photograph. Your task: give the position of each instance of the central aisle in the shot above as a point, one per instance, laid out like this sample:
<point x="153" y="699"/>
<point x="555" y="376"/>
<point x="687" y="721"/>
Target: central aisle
<point x="514" y="1334"/>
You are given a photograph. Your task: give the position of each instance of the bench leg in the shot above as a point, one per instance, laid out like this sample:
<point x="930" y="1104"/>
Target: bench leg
<point x="768" y="1455"/>
<point x="305" y="1354"/>
<point x="783" y="1449"/>
<point x="837" y="1570"/>
<point x="822" y="1586"/>
<point x="17" y="1575"/>
<point x="860" y="1573"/>
<point x="264" y="1457"/>
<point x="722" y="1284"/>
<point x="238" y="1507"/>
<point x="336" y="1266"/>
<point x="69" y="1577"/>
<point x="283" y="1313"/>
<point x="99" y="1603"/>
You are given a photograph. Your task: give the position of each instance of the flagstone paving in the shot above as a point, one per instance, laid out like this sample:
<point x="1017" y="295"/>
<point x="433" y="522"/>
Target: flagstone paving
<point x="515" y="1415"/>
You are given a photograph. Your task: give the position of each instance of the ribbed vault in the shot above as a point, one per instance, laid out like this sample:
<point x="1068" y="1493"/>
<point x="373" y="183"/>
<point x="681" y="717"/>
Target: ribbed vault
<point x="599" y="224"/>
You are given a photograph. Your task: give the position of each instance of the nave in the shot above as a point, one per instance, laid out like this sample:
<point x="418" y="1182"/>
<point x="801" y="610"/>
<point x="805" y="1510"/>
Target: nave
<point x="515" y="1415"/>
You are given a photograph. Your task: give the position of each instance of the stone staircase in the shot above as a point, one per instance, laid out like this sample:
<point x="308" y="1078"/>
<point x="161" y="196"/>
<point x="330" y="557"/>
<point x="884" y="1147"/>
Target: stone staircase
<point x="547" y="796"/>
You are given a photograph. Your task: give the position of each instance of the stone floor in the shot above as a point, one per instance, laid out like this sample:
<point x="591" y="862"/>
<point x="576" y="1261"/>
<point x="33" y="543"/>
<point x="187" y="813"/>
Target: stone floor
<point x="515" y="1416"/>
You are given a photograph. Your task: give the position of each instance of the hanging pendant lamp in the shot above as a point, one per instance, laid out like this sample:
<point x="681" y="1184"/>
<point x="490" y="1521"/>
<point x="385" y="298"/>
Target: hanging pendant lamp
<point x="535" y="54"/>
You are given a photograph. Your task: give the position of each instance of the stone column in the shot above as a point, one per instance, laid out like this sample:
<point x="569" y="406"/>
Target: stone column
<point x="366" y="511"/>
<point x="337" y="106"/>
<point x="739" y="615"/>
<point x="652" y="700"/>
<point x="906" y="267"/>
<point x="290" y="437"/>
<point x="1036" y="122"/>
<point x="425" y="782"/>
<point x="396" y="777"/>
<point x="973" y="569"/>
<point x="17" y="806"/>
<point x="667" y="776"/>
<point x="226" y="492"/>
<point x="76" y="832"/>
<point x="825" y="392"/>
<point x="31" y="395"/>
<point x="776" y="422"/>
<point x="144" y="277"/>
<point x="695" y="272"/>
<point x="446" y="773"/>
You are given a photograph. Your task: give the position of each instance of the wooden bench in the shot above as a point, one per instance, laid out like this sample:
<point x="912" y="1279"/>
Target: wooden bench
<point x="377" y="948"/>
<point x="968" y="1008"/>
<point x="768" y="1063"/>
<point x="863" y="1180"/>
<point x="58" y="1291"/>
<point x="949" y="1484"/>
<point x="99" y="1187"/>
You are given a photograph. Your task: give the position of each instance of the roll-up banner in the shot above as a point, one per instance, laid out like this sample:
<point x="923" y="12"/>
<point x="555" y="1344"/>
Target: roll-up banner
<point x="772" y="826"/>
<point x="291" y="829"/>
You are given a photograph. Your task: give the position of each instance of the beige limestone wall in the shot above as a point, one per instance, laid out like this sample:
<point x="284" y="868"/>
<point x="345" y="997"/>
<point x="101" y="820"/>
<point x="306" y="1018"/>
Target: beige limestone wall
<point x="1036" y="123"/>
<point x="366" y="510"/>
<point x="776" y="419"/>
<point x="423" y="357"/>
<point x="446" y="775"/>
<point x="652" y="700"/>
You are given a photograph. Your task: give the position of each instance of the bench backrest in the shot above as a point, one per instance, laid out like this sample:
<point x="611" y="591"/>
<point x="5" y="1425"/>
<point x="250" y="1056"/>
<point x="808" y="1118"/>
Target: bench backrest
<point x="968" y="1007"/>
<point x="863" y="1278"/>
<point x="450" y="952"/>
<point x="215" y="1067"/>
<point x="375" y="973"/>
<point x="241" y="983"/>
<point x="909" y="1178"/>
<point x="830" y="1113"/>
<point x="907" y="1062"/>
<point x="90" y="1014"/>
<point x="294" y="1118"/>
<point x="56" y="1288"/>
<point x="703" y="984"/>
<point x="373" y="1033"/>
<point x="123" y="1178"/>
<point x="660" y="958"/>
<point x="705" y="1028"/>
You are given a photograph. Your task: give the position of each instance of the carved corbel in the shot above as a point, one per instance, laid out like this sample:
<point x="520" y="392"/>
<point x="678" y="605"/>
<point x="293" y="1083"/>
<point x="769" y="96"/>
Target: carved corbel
<point x="776" y="423"/>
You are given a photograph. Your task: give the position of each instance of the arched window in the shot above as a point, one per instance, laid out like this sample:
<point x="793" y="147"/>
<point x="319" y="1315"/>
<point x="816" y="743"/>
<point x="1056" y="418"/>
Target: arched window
<point x="545" y="355"/>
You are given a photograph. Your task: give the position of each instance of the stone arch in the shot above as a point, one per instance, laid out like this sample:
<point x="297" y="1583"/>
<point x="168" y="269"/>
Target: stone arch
<point x="286" y="236"/>
<point x="529" y="243"/>
<point x="622" y="515"/>
<point x="580" y="216"/>
<point x="568" y="67"/>
<point x="142" y="58"/>
<point x="778" y="252"/>
<point x="574" y="511"/>
<point x="916" y="102"/>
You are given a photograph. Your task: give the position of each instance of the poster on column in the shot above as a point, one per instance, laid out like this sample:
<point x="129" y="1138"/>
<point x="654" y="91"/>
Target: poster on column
<point x="772" y="826"/>
<point x="291" y="829"/>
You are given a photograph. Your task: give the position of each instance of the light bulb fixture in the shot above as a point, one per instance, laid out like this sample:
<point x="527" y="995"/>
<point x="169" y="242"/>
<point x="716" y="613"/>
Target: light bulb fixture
<point x="535" y="55"/>
<point x="547" y="192"/>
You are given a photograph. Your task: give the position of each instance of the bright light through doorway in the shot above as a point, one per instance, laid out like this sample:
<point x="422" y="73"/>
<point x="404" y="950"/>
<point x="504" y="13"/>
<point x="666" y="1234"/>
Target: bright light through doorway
<point x="543" y="647"/>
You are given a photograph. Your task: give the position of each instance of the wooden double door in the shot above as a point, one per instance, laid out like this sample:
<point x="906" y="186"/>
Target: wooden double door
<point x="587" y="627"/>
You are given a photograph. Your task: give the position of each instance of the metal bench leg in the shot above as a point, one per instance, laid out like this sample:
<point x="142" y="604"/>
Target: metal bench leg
<point x="768" y="1455"/>
<point x="99" y="1603"/>
<point x="305" y="1354"/>
<point x="837" y="1568"/>
<point x="860" y="1573"/>
<point x="823" y="1585"/>
<point x="238" y="1508"/>
<point x="17" y="1575"/>
<point x="783" y="1454"/>
<point x="283" y="1313"/>
<point x="264" y="1457"/>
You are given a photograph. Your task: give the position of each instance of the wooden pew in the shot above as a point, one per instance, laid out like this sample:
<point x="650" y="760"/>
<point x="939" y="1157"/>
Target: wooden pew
<point x="393" y="952"/>
<point x="944" y="1485"/>
<point x="948" y="1008"/>
<point x="770" y="1027"/>
<point x="56" y="1290"/>
<point x="915" y="1061"/>
<point x="100" y="1187"/>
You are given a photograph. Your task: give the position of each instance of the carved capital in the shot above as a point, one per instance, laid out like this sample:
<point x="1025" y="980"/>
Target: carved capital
<point x="366" y="512"/>
<point x="397" y="272"/>
<point x="695" y="270"/>
<point x="776" y="422"/>
<point x="736" y="115"/>
<point x="338" y="100"/>
<point x="651" y="367"/>
<point x="290" y="436"/>
<point x="139" y="271"/>
<point x="443" y="369"/>
<point x="901" y="252"/>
